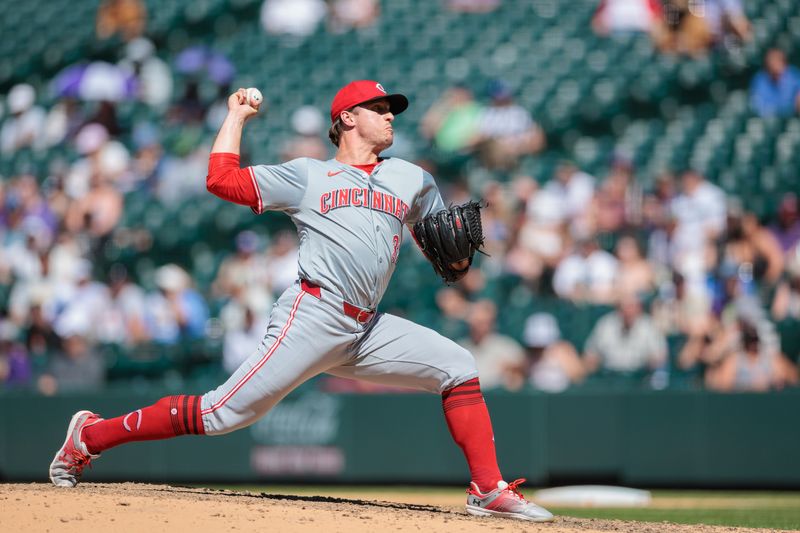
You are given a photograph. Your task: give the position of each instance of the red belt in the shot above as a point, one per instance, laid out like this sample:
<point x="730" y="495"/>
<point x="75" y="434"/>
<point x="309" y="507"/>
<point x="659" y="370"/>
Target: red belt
<point x="359" y="315"/>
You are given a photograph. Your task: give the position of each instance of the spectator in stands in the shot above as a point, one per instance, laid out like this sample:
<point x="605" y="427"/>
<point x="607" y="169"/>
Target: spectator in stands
<point x="123" y="321"/>
<point x="658" y="222"/>
<point x="294" y="18"/>
<point x="498" y="220"/>
<point x="622" y="17"/>
<point x="726" y="21"/>
<point x="148" y="159"/>
<point x="97" y="212"/>
<point x="452" y="122"/>
<point x="106" y="115"/>
<point x="152" y="74"/>
<point x="506" y="130"/>
<point x="87" y="300"/>
<point x="243" y="277"/>
<point x="786" y="303"/>
<point x="206" y="70"/>
<point x="694" y="27"/>
<point x="775" y="90"/>
<point x="182" y="168"/>
<point x="573" y="189"/>
<point x="241" y="340"/>
<point x="308" y="125"/>
<point x="551" y="364"/>
<point x="618" y="199"/>
<point x="24" y="127"/>
<point x="472" y="6"/>
<point x="679" y="310"/>
<point x="732" y="288"/>
<point x="625" y="340"/>
<point x="244" y="269"/>
<point x="352" y="14"/>
<point x="177" y="312"/>
<point x="15" y="365"/>
<point x="747" y="244"/>
<point x="189" y="109"/>
<point x="749" y="360"/>
<point x="41" y="340"/>
<point x="699" y="215"/>
<point x="588" y="274"/>
<point x="684" y="312"/>
<point x="126" y="17"/>
<point x="281" y="261"/>
<point x="78" y="366"/>
<point x="36" y="215"/>
<point x="63" y="121"/>
<point x="53" y="188"/>
<point x="496" y="355"/>
<point x="101" y="156"/>
<point x="787" y="226"/>
<point x="36" y="288"/>
<point x="662" y="250"/>
<point x="66" y="257"/>
<point x="635" y="274"/>
<point x="683" y="30"/>
<point x="454" y="309"/>
<point x="541" y="236"/>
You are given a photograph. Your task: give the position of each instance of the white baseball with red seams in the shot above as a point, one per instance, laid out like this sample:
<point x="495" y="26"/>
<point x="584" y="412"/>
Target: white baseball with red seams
<point x="350" y="224"/>
<point x="254" y="97"/>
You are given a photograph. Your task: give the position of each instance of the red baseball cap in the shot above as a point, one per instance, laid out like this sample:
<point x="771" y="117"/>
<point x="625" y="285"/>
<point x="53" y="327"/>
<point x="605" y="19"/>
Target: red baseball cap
<point x="362" y="91"/>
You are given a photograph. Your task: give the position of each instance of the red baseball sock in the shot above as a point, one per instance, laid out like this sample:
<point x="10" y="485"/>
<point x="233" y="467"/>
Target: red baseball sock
<point x="168" y="417"/>
<point x="469" y="424"/>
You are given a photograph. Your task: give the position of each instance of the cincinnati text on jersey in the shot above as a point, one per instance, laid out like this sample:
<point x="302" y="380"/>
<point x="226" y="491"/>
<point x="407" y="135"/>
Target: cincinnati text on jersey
<point x="363" y="197"/>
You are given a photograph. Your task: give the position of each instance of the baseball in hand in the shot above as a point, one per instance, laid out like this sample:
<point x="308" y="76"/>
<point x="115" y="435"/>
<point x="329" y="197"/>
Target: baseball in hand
<point x="254" y="97"/>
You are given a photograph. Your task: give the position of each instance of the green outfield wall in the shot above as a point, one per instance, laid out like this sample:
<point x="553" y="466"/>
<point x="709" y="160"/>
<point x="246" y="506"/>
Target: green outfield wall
<point x="634" y="438"/>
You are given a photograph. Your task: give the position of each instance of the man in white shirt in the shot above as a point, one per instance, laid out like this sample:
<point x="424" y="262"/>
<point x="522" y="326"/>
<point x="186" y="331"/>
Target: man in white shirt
<point x="588" y="274"/>
<point x="495" y="354"/>
<point x="625" y="340"/>
<point x="699" y="213"/>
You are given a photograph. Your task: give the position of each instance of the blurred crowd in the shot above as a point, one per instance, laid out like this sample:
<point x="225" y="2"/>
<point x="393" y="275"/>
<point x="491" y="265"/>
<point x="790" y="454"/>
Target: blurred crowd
<point x="685" y="277"/>
<point x="683" y="261"/>
<point x="677" y="26"/>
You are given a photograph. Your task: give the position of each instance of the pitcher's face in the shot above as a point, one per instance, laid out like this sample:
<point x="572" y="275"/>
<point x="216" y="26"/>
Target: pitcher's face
<point x="373" y="121"/>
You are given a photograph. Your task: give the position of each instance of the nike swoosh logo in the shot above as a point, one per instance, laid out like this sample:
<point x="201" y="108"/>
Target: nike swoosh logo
<point x="332" y="173"/>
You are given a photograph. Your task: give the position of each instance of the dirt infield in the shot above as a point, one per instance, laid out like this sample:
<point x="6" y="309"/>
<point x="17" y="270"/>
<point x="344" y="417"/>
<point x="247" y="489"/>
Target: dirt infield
<point x="129" y="507"/>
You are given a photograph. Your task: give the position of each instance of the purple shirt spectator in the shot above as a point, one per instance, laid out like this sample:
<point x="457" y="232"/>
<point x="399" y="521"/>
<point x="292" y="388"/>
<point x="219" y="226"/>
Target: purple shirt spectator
<point x="18" y="366"/>
<point x="787" y="228"/>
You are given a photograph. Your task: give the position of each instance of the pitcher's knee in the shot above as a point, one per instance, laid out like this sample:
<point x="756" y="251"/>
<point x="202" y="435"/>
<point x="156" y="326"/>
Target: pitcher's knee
<point x="222" y="417"/>
<point x="461" y="367"/>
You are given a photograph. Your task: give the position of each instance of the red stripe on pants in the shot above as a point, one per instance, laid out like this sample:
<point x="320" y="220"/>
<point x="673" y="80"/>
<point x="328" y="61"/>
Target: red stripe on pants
<point x="261" y="361"/>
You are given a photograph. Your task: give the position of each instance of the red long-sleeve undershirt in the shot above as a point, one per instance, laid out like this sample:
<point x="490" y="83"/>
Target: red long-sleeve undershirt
<point x="238" y="185"/>
<point x="232" y="183"/>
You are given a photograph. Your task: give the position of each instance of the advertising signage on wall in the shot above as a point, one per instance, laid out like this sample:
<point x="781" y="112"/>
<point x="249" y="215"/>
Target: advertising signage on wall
<point x="298" y="437"/>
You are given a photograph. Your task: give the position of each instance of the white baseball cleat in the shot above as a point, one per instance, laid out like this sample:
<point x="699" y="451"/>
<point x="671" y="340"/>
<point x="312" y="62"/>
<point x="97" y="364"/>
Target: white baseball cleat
<point x="506" y="502"/>
<point x="73" y="457"/>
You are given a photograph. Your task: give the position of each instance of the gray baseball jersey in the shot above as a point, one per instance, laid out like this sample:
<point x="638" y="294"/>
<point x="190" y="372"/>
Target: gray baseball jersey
<point x="350" y="225"/>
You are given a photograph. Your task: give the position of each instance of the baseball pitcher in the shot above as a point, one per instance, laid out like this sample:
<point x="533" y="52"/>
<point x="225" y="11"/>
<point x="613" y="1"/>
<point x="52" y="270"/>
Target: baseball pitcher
<point x="349" y="212"/>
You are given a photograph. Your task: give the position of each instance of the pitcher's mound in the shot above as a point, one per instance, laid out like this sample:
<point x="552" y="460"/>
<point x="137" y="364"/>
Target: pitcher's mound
<point x="132" y="507"/>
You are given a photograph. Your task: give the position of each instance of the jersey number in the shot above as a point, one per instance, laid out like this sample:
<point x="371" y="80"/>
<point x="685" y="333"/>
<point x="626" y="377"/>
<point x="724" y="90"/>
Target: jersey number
<point x="396" y="248"/>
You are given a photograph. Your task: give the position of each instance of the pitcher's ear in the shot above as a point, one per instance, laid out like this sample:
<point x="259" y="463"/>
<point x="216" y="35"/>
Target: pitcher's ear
<point x="348" y="117"/>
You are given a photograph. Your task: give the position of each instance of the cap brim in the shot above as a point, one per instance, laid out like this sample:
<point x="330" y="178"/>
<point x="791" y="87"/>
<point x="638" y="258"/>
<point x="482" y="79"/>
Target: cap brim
<point x="397" y="102"/>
